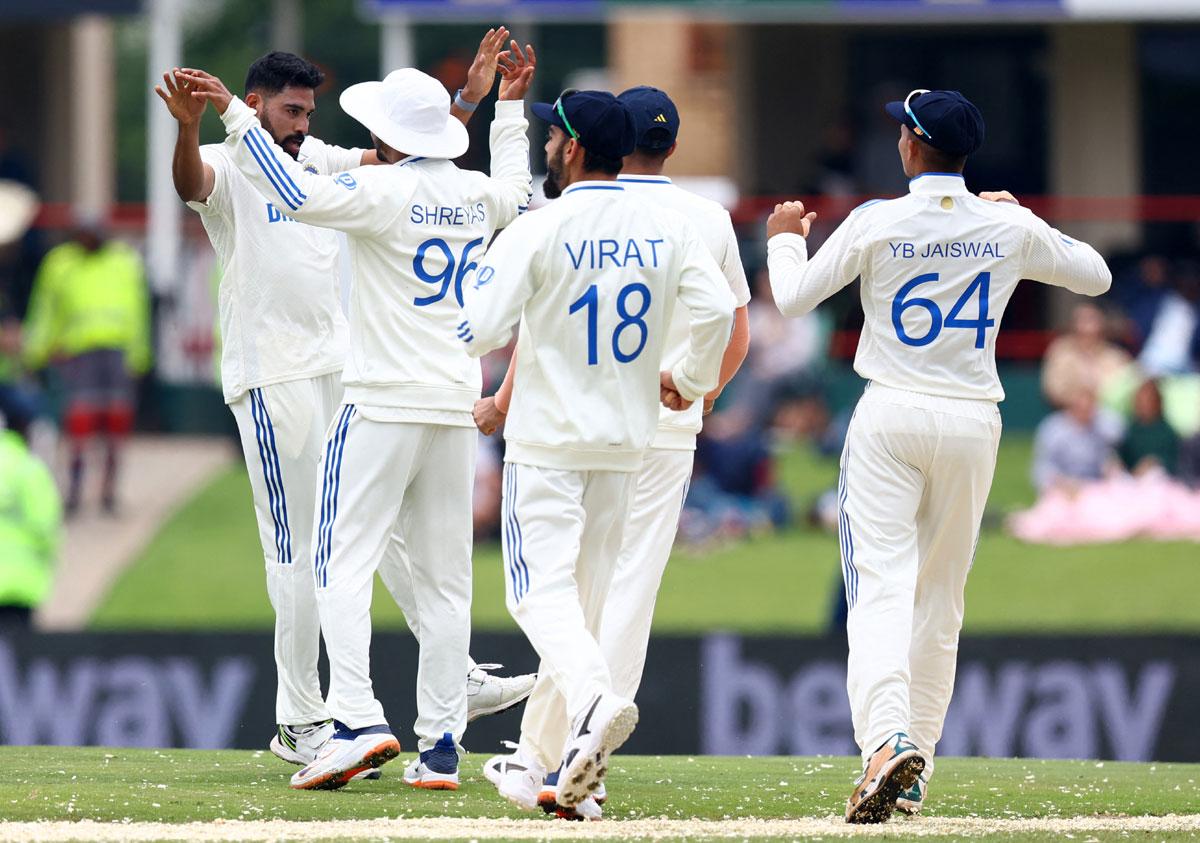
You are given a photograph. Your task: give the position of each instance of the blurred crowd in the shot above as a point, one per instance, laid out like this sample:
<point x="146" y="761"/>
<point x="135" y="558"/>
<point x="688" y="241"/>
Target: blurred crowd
<point x="1119" y="456"/>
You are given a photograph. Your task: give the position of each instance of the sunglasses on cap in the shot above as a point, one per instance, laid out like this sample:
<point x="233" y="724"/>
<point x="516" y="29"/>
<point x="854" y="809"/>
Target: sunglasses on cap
<point x="908" y="110"/>
<point x="558" y="107"/>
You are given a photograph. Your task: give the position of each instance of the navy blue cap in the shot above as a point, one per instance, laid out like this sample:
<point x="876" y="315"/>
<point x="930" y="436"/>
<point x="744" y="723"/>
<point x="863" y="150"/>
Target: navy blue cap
<point x="603" y="124"/>
<point x="945" y="120"/>
<point x="654" y="115"/>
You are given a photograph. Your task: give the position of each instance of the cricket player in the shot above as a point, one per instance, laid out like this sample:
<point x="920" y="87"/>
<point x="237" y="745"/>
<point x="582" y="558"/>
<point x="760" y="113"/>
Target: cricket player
<point x="398" y="459"/>
<point x="593" y="279"/>
<point x="662" y="482"/>
<point x="937" y="268"/>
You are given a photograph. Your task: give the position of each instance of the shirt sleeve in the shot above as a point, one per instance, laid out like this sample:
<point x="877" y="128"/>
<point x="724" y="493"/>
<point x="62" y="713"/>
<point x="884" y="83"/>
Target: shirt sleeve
<point x="1053" y="258"/>
<point x="511" y="184"/>
<point x="217" y="201"/>
<point x="338" y="158"/>
<point x="494" y="295"/>
<point x="704" y="291"/>
<point x="800" y="284"/>
<point x="731" y="266"/>
<point x="357" y="201"/>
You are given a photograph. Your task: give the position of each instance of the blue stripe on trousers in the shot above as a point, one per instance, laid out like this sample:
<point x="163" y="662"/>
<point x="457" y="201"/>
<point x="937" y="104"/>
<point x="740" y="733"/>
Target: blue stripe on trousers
<point x="329" y="491"/>
<point x="257" y="411"/>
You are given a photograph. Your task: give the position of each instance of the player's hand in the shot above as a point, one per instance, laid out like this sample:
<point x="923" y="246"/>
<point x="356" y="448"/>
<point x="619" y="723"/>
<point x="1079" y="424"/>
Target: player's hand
<point x="669" y="395"/>
<point x="207" y="88"/>
<point x="487" y="415"/>
<point x="998" y="196"/>
<point x="516" y="71"/>
<point x="789" y="218"/>
<point x="176" y="92"/>
<point x="482" y="74"/>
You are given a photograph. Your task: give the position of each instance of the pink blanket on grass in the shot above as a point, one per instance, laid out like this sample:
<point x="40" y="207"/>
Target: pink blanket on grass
<point x="1152" y="506"/>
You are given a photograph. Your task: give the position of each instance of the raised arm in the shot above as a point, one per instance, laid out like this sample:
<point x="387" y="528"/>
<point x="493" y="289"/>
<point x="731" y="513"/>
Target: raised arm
<point x="193" y="178"/>
<point x="346" y="201"/>
<point x="797" y="283"/>
<point x="511" y="182"/>
<point x="705" y="293"/>
<point x="481" y="76"/>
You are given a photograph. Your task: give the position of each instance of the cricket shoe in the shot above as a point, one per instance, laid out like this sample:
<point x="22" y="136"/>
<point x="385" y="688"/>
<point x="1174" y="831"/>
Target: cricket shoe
<point x="597" y="732"/>
<point x="909" y="801"/>
<point x="517" y="778"/>
<point x="488" y="694"/>
<point x="300" y="746"/>
<point x="348" y="753"/>
<point x="437" y="768"/>
<point x="894" y="767"/>
<point x="588" y="809"/>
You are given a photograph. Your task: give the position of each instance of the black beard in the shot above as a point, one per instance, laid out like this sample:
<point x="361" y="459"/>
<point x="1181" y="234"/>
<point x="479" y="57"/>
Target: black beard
<point x="551" y="186"/>
<point x="298" y="137"/>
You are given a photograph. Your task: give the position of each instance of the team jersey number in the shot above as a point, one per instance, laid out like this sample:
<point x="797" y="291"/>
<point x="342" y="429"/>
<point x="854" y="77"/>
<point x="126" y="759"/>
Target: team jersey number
<point x="590" y="302"/>
<point x="454" y="272"/>
<point x="980" y="323"/>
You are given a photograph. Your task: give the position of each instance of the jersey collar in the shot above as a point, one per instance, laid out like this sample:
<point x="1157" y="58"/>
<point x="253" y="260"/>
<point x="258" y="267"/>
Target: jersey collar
<point x="411" y="159"/>
<point x="645" y="179"/>
<point x="592" y="185"/>
<point x="937" y="183"/>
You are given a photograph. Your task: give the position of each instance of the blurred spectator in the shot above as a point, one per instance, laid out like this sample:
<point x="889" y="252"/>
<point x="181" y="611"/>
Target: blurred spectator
<point x="1082" y="359"/>
<point x="1149" y="442"/>
<point x="1075" y="445"/>
<point x="30" y="516"/>
<point x="1170" y="347"/>
<point x="733" y="492"/>
<point x="1142" y="295"/>
<point x="89" y="314"/>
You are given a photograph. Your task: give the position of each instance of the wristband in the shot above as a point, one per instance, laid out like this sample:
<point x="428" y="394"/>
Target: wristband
<point x="462" y="103"/>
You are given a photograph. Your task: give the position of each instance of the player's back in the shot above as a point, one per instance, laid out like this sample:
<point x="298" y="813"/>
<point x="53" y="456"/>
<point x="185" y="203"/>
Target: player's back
<point x="593" y="331"/>
<point x="408" y="287"/>
<point x="716" y="232"/>
<point x="938" y="268"/>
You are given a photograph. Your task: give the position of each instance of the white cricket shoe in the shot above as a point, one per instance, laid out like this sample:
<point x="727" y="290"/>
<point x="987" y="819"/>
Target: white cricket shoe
<point x="488" y="694"/>
<point x="596" y="732"/>
<point x="588" y="810"/>
<point x="300" y="744"/>
<point x="348" y="753"/>
<point x="517" y="777"/>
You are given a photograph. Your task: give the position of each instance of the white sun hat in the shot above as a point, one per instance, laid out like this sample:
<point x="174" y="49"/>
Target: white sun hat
<point x="410" y="112"/>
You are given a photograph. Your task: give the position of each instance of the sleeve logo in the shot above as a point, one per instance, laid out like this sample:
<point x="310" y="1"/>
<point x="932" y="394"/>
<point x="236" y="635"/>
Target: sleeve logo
<point x="347" y="181"/>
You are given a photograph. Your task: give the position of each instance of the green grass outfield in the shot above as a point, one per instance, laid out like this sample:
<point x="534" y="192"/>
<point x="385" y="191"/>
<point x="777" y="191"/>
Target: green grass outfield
<point x="204" y="570"/>
<point x="183" y="786"/>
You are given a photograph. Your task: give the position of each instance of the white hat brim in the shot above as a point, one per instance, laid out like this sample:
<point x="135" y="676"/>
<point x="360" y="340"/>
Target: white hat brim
<point x="364" y="102"/>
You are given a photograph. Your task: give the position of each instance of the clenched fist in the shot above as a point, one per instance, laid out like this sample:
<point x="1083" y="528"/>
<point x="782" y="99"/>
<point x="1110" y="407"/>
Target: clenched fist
<point x="790" y="218"/>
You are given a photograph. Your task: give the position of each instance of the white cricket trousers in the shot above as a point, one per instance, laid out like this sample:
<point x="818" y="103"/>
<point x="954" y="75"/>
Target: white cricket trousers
<point x="388" y="487"/>
<point x="916" y="472"/>
<point x="561" y="537"/>
<point x="646" y="542"/>
<point x="282" y="428"/>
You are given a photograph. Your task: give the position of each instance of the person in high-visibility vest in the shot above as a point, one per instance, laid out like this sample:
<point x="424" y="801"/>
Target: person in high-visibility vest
<point x="30" y="520"/>
<point x="89" y="313"/>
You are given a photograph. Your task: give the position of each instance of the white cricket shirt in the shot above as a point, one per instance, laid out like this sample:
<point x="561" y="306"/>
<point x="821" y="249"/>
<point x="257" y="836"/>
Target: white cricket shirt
<point x="277" y="303"/>
<point x="594" y="279"/>
<point x="677" y="431"/>
<point x="938" y="267"/>
<point x="415" y="230"/>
